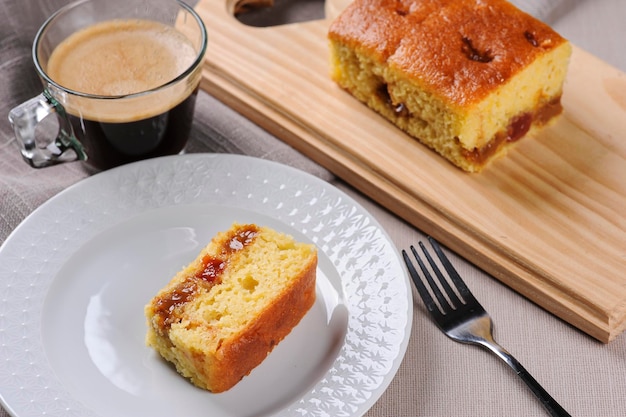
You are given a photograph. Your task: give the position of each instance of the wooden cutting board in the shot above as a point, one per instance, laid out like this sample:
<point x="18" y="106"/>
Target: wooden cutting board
<point x="549" y="220"/>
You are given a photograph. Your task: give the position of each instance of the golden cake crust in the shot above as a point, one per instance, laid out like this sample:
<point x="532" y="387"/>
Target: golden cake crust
<point x="449" y="42"/>
<point x="239" y="355"/>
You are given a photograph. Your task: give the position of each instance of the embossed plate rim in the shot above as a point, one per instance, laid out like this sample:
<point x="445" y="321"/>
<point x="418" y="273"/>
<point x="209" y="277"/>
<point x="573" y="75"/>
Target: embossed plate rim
<point x="375" y="284"/>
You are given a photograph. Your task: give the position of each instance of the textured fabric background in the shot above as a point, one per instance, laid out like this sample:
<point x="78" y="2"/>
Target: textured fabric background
<point x="438" y="377"/>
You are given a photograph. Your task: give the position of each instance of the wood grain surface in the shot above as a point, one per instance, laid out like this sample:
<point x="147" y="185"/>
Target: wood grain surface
<point x="548" y="220"/>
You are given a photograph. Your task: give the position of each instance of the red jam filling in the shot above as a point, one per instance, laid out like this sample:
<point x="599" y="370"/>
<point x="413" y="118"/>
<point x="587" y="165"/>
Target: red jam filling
<point x="518" y="127"/>
<point x="167" y="307"/>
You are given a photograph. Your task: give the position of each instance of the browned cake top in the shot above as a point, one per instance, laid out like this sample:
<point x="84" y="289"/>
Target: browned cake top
<point x="460" y="49"/>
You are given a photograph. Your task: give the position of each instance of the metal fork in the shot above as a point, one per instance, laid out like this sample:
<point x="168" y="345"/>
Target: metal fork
<point x="465" y="320"/>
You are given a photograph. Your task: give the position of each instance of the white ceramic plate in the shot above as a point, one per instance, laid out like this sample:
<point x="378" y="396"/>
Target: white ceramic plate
<point x="76" y="274"/>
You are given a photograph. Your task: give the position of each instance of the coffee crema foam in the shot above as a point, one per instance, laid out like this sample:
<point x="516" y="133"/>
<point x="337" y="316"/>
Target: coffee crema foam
<point x="122" y="57"/>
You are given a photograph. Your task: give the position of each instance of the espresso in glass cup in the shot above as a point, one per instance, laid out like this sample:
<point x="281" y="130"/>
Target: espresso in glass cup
<point x="121" y="76"/>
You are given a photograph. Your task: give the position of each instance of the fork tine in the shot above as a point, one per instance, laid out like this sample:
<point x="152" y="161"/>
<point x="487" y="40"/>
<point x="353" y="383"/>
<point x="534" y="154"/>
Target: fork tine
<point x="454" y="275"/>
<point x="444" y="282"/>
<point x="421" y="288"/>
<point x="443" y="302"/>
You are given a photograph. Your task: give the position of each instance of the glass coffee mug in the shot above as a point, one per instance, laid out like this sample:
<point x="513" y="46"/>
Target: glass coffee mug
<point x="121" y="76"/>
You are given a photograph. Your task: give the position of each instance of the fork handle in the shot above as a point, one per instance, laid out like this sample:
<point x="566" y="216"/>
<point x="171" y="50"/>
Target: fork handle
<point x="549" y="403"/>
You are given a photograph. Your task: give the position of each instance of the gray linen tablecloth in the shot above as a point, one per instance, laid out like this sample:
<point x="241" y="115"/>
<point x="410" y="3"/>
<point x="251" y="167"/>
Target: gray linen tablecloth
<point x="437" y="377"/>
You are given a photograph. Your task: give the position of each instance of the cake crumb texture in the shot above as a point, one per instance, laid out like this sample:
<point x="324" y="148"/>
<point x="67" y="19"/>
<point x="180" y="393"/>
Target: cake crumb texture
<point x="465" y="77"/>
<point x="221" y="316"/>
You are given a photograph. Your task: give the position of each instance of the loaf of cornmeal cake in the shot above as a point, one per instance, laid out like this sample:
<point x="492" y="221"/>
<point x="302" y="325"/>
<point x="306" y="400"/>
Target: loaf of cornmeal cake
<point x="465" y="77"/>
<point x="220" y="316"/>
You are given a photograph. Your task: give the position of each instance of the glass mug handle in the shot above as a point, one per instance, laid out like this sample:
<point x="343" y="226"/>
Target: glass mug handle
<point x="64" y="148"/>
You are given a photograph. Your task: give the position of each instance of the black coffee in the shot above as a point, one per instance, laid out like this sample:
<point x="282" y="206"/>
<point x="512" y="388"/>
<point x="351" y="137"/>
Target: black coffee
<point x="108" y="145"/>
<point x="115" y="59"/>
